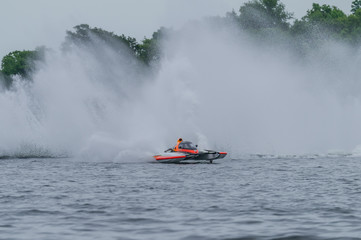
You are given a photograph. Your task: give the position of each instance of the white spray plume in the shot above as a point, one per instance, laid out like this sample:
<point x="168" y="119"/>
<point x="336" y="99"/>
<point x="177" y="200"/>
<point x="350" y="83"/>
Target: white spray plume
<point x="217" y="88"/>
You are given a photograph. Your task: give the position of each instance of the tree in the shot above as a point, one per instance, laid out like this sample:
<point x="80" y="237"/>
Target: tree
<point x="352" y="29"/>
<point x="258" y="14"/>
<point x="324" y="13"/>
<point x="85" y="35"/>
<point x="356" y="4"/>
<point x="19" y="62"/>
<point x="331" y="18"/>
<point x="149" y="50"/>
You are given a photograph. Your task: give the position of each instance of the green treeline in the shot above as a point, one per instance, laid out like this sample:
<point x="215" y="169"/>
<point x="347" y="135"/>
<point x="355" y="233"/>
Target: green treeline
<point x="259" y="18"/>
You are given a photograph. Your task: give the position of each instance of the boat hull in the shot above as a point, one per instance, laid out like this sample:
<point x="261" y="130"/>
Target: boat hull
<point x="170" y="157"/>
<point x="183" y="157"/>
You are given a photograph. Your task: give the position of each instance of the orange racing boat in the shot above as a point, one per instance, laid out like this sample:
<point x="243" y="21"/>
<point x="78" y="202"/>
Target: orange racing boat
<point x="185" y="151"/>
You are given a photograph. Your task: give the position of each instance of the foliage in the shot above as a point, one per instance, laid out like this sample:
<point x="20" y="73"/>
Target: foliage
<point x="19" y="62"/>
<point x="22" y="63"/>
<point x="147" y="51"/>
<point x="352" y="29"/>
<point x="85" y="35"/>
<point x="355" y="6"/>
<point x="330" y="18"/>
<point x="332" y="22"/>
<point x="259" y="14"/>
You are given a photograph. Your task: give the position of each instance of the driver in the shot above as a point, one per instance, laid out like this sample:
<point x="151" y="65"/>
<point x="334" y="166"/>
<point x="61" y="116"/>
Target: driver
<point x="176" y="148"/>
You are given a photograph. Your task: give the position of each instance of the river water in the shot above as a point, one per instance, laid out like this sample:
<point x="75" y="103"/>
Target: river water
<point x="262" y="198"/>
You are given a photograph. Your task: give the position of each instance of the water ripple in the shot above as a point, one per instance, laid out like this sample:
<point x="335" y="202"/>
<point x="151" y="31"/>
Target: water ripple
<point x="236" y="199"/>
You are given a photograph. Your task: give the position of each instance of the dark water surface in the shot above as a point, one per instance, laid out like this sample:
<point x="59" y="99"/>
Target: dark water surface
<point x="232" y="199"/>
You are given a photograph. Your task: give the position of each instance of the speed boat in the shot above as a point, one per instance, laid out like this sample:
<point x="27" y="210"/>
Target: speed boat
<point x="185" y="151"/>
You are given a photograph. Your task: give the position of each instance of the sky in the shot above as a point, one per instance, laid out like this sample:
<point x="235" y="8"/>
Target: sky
<point x="27" y="24"/>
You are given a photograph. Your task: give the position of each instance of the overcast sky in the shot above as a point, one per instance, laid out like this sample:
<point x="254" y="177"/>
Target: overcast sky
<point x="26" y="24"/>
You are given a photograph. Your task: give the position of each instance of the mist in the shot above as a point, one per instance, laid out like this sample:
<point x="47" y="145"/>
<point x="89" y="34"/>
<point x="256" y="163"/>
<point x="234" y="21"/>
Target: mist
<point x="215" y="86"/>
<point x="265" y="99"/>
